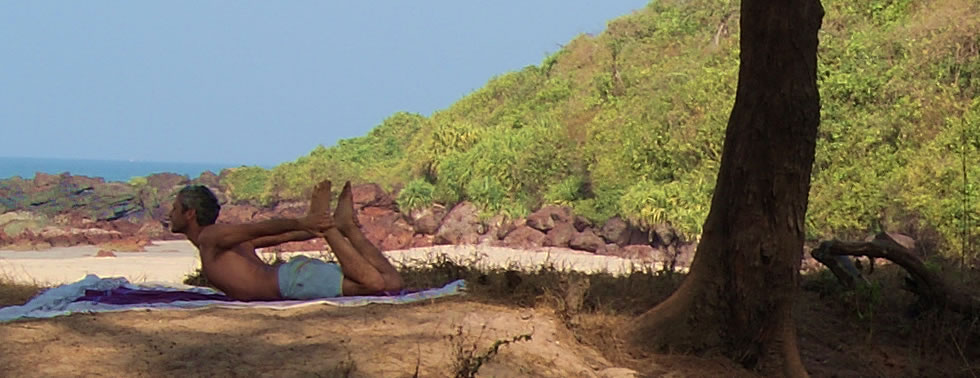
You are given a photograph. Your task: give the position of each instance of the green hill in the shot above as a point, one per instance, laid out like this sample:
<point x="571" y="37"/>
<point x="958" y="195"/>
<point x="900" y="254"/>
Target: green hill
<point x="631" y="122"/>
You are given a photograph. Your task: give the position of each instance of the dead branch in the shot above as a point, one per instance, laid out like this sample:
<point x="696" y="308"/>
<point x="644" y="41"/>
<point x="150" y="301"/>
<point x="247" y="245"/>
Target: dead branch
<point x="925" y="283"/>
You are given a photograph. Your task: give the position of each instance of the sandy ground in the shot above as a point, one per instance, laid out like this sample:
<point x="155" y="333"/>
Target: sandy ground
<point x="171" y="261"/>
<point x="370" y="341"/>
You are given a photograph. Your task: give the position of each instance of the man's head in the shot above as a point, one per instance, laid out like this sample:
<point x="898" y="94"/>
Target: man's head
<point x="194" y="203"/>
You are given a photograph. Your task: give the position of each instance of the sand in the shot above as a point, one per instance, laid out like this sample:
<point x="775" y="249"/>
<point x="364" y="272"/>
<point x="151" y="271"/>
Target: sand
<point x="371" y="341"/>
<point x="171" y="261"/>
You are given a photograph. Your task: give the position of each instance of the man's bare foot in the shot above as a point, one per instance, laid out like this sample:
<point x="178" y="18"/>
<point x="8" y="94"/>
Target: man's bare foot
<point x="319" y="212"/>
<point x="344" y="214"/>
<point x="320" y="198"/>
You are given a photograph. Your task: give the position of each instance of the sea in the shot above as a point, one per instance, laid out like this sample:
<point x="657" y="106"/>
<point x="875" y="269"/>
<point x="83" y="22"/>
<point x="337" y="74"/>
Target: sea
<point x="110" y="170"/>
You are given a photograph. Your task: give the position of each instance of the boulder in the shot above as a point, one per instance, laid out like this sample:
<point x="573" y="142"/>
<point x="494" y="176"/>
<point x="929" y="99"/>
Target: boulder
<point x="379" y="224"/>
<point x="643" y="252"/>
<point x="420" y="240"/>
<point x="493" y="229"/>
<point x="461" y="226"/>
<point x="675" y="256"/>
<point x="426" y="221"/>
<point x="560" y="235"/>
<point x="208" y="179"/>
<point x="581" y="223"/>
<point x="237" y="213"/>
<point x="586" y="241"/>
<point x="44" y="181"/>
<point x="545" y="218"/>
<point x="616" y="230"/>
<point x="371" y="195"/>
<point x="524" y="237"/>
<point x="290" y="209"/>
<point x="665" y="235"/>
<point x="397" y="241"/>
<point x="509" y="225"/>
<point x="638" y="237"/>
<point x="610" y="249"/>
<point x="167" y="183"/>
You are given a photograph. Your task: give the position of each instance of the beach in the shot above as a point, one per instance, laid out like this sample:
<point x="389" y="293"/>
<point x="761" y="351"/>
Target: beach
<point x="171" y="261"/>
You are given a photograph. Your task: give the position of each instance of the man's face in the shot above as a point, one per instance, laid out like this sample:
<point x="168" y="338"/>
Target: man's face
<point x="178" y="217"/>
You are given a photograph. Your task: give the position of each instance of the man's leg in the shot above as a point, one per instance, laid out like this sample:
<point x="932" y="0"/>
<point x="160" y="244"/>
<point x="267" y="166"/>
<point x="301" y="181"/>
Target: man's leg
<point x="360" y="276"/>
<point x="344" y="219"/>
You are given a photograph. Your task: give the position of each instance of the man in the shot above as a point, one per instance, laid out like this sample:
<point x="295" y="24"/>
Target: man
<point x="229" y="261"/>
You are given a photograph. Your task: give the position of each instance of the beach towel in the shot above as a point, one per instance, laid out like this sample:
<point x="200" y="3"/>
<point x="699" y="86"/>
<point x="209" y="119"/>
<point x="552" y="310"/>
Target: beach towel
<point x="94" y="294"/>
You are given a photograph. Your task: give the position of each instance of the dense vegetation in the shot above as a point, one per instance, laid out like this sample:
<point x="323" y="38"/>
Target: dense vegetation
<point x="631" y="122"/>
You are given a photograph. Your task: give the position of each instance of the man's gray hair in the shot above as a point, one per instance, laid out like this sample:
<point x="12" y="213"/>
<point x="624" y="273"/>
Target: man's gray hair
<point x="201" y="199"/>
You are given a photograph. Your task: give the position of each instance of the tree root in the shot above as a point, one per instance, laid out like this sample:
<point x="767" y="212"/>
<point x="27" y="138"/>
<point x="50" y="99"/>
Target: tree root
<point x="929" y="286"/>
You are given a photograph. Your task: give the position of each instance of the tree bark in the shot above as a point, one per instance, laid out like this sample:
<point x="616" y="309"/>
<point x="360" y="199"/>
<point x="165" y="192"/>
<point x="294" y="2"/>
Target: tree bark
<point x="738" y="297"/>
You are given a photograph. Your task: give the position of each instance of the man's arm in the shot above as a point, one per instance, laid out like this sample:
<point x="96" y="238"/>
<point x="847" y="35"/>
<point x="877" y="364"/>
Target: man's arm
<point x="227" y="236"/>
<point x="268" y="241"/>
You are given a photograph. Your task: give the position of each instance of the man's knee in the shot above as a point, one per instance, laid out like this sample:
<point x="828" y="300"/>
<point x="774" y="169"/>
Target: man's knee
<point x="374" y="284"/>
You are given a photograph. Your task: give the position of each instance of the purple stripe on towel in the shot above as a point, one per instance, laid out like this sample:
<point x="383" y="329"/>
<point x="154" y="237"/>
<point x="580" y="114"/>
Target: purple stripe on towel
<point x="124" y="296"/>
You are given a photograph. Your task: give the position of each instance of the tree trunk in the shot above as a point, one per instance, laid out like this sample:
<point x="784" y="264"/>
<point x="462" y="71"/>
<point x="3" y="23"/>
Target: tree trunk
<point x="738" y="297"/>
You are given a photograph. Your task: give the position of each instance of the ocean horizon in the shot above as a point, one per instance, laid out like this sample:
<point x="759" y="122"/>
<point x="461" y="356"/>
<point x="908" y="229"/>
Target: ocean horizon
<point x="110" y="170"/>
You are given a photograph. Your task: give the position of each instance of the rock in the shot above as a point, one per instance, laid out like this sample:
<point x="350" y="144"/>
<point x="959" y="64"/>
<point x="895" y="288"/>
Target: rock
<point x="153" y="230"/>
<point x="664" y="235"/>
<point x="426" y="221"/>
<point x="581" y="223"/>
<point x="586" y="241"/>
<point x="545" y="218"/>
<point x="610" y="249"/>
<point x="43" y="180"/>
<point x="371" y="195"/>
<point x="638" y="237"/>
<point x="14" y="223"/>
<point x="130" y="244"/>
<point x="524" y="237"/>
<point x="104" y="253"/>
<point x="642" y="252"/>
<point x="419" y="240"/>
<point x="616" y="230"/>
<point x="509" y="225"/>
<point x="675" y="256"/>
<point x="461" y="226"/>
<point x="124" y="227"/>
<point x="397" y="241"/>
<point x="237" y="213"/>
<point x="59" y="237"/>
<point x="208" y="179"/>
<point x="494" y="224"/>
<point x="166" y="184"/>
<point x="559" y="236"/>
<point x="379" y="224"/>
<point x="97" y="236"/>
<point x="290" y="209"/>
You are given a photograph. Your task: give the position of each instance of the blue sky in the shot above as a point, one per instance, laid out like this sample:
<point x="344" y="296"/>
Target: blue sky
<point x="254" y="82"/>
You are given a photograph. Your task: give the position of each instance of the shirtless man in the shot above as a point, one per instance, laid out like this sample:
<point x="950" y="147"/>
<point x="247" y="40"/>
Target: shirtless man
<point x="229" y="261"/>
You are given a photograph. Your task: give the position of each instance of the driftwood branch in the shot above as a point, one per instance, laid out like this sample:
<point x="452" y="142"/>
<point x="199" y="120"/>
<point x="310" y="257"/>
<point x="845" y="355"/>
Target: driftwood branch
<point x="925" y="283"/>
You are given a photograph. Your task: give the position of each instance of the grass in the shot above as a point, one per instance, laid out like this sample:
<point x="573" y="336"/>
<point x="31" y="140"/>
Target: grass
<point x="629" y="294"/>
<point x="467" y="355"/>
<point x="14" y="293"/>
